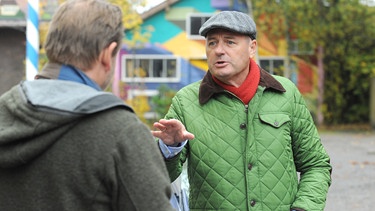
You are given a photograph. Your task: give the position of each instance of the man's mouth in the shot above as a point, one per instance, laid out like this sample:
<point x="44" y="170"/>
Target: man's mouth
<point x="220" y="63"/>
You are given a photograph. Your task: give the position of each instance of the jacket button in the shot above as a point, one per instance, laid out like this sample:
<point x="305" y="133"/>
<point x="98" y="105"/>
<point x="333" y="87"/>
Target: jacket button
<point x="276" y="123"/>
<point x="243" y="126"/>
<point x="249" y="166"/>
<point x="252" y="203"/>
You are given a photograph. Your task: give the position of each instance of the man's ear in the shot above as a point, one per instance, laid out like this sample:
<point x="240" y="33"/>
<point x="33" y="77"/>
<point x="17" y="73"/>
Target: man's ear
<point x="107" y="56"/>
<point x="252" y="48"/>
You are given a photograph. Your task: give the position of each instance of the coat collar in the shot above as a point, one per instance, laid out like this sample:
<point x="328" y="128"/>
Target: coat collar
<point x="209" y="88"/>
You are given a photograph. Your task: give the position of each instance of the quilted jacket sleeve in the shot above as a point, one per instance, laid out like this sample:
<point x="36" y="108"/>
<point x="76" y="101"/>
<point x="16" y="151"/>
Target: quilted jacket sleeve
<point x="311" y="159"/>
<point x="175" y="164"/>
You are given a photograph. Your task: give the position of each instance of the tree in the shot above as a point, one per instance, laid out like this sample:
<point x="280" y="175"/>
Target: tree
<point x="131" y="17"/>
<point x="343" y="36"/>
<point x="351" y="64"/>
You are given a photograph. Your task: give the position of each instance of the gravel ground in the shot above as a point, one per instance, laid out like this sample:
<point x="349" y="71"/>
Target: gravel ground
<point x="353" y="177"/>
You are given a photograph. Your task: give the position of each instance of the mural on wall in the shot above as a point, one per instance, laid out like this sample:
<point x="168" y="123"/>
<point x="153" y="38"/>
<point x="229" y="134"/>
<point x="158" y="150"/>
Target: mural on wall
<point x="175" y="54"/>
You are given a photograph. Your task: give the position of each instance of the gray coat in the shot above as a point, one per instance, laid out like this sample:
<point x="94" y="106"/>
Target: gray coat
<point x="67" y="146"/>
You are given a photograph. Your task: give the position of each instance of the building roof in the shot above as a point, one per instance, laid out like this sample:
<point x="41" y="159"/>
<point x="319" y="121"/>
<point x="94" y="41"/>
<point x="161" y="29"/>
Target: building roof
<point x="11" y="14"/>
<point x="162" y="6"/>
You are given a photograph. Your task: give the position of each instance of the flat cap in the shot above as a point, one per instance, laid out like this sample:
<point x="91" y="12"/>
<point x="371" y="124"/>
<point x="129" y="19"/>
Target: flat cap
<point x="230" y="20"/>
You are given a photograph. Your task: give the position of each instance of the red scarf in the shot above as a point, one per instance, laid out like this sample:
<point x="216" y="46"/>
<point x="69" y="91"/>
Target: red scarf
<point x="248" y="88"/>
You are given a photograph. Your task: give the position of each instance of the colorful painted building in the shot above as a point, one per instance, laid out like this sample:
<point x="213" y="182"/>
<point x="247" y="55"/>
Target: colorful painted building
<point x="175" y="54"/>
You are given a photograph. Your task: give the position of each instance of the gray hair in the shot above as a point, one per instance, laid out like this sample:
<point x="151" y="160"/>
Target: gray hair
<point x="81" y="29"/>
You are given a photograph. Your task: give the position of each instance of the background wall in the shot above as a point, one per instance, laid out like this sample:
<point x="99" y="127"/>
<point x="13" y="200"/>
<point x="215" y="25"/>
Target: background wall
<point x="12" y="57"/>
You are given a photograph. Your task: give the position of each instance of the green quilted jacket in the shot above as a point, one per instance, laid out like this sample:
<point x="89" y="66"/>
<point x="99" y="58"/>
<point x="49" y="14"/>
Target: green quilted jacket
<point x="246" y="157"/>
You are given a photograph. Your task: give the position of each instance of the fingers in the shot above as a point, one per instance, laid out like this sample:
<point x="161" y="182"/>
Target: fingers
<point x="159" y="126"/>
<point x="157" y="134"/>
<point x="188" y="135"/>
<point x="172" y="130"/>
<point x="170" y="123"/>
<point x="165" y="137"/>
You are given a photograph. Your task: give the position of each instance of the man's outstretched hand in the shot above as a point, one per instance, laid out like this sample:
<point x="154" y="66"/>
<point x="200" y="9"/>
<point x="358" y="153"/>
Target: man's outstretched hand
<point x="171" y="132"/>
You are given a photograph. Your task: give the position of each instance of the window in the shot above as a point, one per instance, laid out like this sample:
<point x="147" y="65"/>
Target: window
<point x="273" y="65"/>
<point x="150" y="68"/>
<point x="194" y="21"/>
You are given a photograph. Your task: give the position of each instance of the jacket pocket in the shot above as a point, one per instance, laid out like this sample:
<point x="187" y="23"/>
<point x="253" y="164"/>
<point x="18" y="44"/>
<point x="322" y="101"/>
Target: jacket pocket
<point x="275" y="120"/>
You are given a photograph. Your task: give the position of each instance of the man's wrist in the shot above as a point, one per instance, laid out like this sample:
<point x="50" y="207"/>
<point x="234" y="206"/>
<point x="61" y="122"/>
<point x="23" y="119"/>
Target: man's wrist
<point x="175" y="145"/>
<point x="170" y="151"/>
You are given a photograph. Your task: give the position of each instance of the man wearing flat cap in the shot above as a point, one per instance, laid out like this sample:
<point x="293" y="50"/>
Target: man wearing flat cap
<point x="246" y="134"/>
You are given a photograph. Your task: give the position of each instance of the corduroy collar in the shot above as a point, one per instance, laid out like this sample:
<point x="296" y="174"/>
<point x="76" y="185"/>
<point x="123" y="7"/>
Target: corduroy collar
<point x="209" y="87"/>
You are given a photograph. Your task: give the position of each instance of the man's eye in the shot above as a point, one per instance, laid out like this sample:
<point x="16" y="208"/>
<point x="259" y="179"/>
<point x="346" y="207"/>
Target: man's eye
<point x="230" y="42"/>
<point x="211" y="43"/>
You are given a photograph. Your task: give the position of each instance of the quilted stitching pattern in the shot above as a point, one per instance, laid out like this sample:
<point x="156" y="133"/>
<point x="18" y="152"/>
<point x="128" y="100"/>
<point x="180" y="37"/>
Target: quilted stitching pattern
<point x="220" y="154"/>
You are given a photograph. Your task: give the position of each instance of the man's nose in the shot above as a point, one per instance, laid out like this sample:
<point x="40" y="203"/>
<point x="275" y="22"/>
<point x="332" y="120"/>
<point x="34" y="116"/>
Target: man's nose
<point x="220" y="48"/>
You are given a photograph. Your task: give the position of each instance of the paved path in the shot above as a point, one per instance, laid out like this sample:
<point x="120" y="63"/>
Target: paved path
<point x="353" y="160"/>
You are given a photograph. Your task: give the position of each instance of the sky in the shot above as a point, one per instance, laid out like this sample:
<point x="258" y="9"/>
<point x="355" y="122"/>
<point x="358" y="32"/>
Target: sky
<point x="149" y="4"/>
